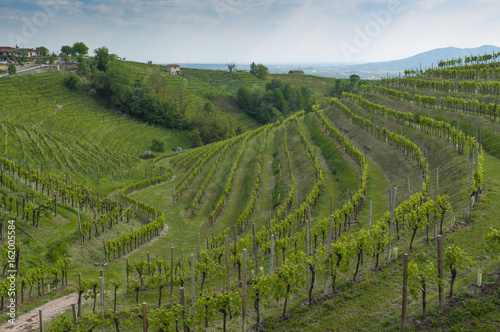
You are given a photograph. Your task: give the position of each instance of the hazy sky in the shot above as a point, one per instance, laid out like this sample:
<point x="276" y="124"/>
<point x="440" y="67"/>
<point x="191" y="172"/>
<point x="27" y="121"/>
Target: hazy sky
<point x="267" y="31"/>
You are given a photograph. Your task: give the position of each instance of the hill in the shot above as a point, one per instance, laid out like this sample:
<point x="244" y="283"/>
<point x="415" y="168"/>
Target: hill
<point x="419" y="61"/>
<point x="285" y="226"/>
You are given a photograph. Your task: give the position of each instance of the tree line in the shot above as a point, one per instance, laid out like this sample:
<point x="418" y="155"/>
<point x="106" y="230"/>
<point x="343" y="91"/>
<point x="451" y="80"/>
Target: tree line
<point x="151" y="99"/>
<point x="276" y="102"/>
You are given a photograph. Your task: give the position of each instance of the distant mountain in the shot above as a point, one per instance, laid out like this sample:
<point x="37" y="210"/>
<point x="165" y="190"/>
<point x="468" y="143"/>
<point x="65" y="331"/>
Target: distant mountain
<point x="422" y="60"/>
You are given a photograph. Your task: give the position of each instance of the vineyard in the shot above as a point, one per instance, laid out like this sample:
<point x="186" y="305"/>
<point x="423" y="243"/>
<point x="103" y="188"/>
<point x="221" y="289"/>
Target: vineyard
<point x="375" y="210"/>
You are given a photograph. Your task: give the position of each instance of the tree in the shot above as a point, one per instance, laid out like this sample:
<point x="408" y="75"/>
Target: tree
<point x="354" y="78"/>
<point x="157" y="145"/>
<point x="150" y="62"/>
<point x="253" y="68"/>
<point x="79" y="48"/>
<point x="82" y="65"/>
<point x="195" y="137"/>
<point x="43" y="51"/>
<point x="101" y="57"/>
<point x="209" y="108"/>
<point x="262" y="71"/>
<point x="231" y="66"/>
<point x="456" y="258"/>
<point x="11" y="69"/>
<point x="66" y="50"/>
<point x="243" y="97"/>
<point x="50" y="58"/>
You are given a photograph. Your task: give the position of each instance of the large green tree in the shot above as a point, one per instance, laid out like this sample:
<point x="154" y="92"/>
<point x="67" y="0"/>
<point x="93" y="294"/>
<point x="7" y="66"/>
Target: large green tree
<point x="44" y="51"/>
<point x="66" y="50"/>
<point x="101" y="57"/>
<point x="79" y="48"/>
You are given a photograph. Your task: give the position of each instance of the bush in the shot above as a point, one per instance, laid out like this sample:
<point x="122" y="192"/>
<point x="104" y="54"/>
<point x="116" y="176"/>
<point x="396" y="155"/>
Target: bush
<point x="157" y="145"/>
<point x="12" y="69"/>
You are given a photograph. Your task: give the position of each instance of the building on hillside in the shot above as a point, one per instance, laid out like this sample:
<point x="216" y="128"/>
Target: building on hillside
<point x="32" y="52"/>
<point x="6" y="50"/>
<point x="296" y="72"/>
<point x="174" y="69"/>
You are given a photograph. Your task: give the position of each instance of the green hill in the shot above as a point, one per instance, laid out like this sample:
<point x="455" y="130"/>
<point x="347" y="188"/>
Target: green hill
<point x="299" y="208"/>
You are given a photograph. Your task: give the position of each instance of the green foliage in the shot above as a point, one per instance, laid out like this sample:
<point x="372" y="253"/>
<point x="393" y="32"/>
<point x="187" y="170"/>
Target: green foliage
<point x="420" y="277"/>
<point x="79" y="48"/>
<point x="44" y="51"/>
<point x="345" y="175"/>
<point x="278" y="100"/>
<point x="157" y="145"/>
<point x="101" y="57"/>
<point x="278" y="193"/>
<point x="11" y="69"/>
<point x="493" y="240"/>
<point x="66" y="50"/>
<point x="195" y="137"/>
<point x="209" y="108"/>
<point x="354" y="78"/>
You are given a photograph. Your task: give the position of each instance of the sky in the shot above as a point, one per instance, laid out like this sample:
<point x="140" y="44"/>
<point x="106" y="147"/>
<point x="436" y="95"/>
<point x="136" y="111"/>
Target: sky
<point x="244" y="31"/>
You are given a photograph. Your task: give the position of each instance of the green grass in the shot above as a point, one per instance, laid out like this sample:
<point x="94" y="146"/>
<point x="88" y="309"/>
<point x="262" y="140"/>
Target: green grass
<point x="372" y="303"/>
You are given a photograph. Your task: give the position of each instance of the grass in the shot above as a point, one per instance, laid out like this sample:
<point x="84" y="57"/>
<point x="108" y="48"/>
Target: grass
<point x="371" y="303"/>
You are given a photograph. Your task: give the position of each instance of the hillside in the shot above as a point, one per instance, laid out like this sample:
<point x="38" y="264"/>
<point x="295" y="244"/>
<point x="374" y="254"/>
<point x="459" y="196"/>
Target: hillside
<point x="286" y="226"/>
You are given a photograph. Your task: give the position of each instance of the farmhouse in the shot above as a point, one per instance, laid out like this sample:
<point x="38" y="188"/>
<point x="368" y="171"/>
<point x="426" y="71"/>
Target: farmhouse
<point x="6" y="50"/>
<point x="174" y="69"/>
<point x="296" y="72"/>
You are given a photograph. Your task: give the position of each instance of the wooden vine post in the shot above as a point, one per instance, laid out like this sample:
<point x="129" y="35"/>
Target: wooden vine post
<point x="393" y="203"/>
<point x="80" y="227"/>
<point x="65" y="270"/>
<point x="440" y="268"/>
<point x="307" y="251"/>
<point x="405" y="291"/>
<point x="171" y="275"/>
<point x="272" y="256"/>
<point x="75" y="320"/>
<point x="149" y="265"/>
<point x="435" y="210"/>
<point x="144" y="317"/>
<point x="182" y="303"/>
<point x="41" y="273"/>
<point x="328" y="253"/>
<point x="255" y="251"/>
<point x="192" y="281"/>
<point x="244" y="293"/>
<point x="128" y="275"/>
<point x="40" y="317"/>
<point x="228" y="266"/>
<point x="101" y="290"/>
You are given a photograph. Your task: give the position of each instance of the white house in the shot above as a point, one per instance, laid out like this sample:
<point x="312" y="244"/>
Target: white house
<point x="174" y="69"/>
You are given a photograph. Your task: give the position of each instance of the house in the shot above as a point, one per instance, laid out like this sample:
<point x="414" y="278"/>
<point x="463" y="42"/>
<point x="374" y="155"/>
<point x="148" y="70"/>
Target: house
<point x="32" y="52"/>
<point x="5" y="50"/>
<point x="296" y="72"/>
<point x="174" y="69"/>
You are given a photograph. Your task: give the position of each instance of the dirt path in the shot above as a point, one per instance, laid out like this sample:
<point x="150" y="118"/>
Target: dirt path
<point x="30" y="321"/>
